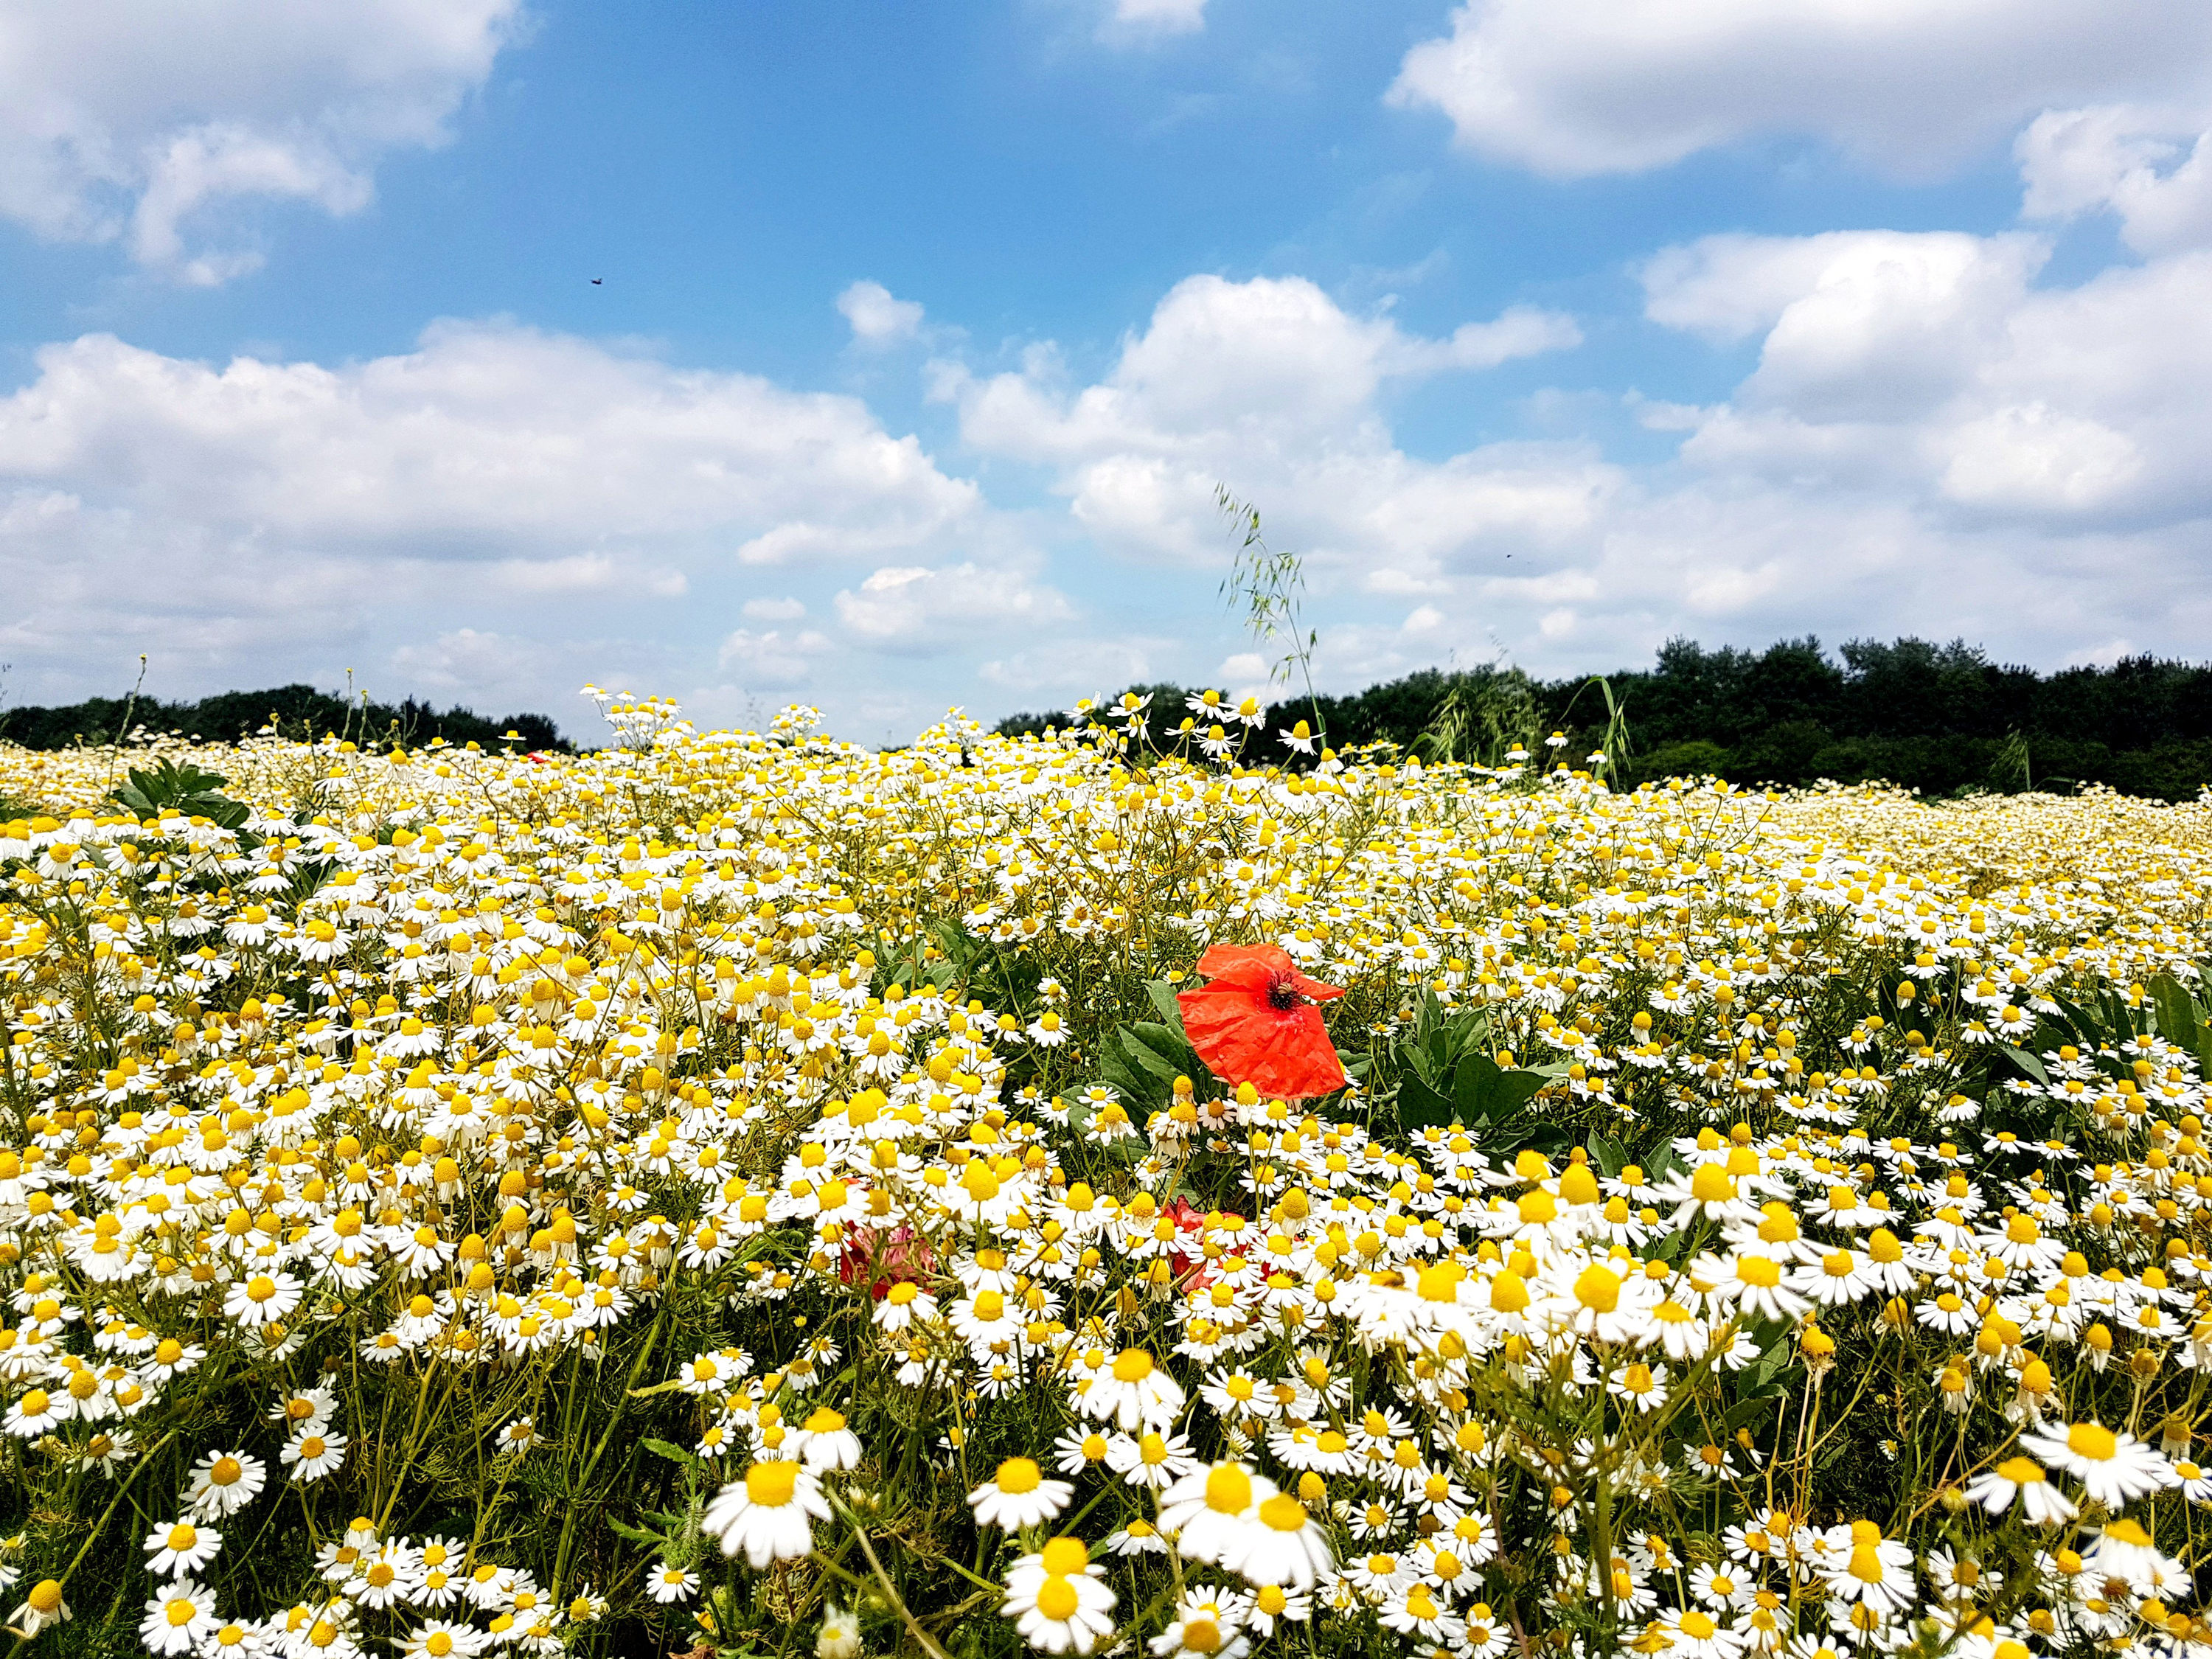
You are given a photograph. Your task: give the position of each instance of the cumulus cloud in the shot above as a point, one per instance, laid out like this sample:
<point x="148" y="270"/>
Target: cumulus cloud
<point x="774" y="610"/>
<point x="1151" y="19"/>
<point x="1931" y="364"/>
<point x="132" y="122"/>
<point x="773" y="660"/>
<point x="1571" y="87"/>
<point x="1077" y="667"/>
<point x="496" y="671"/>
<point x="487" y="441"/>
<point x="1933" y="438"/>
<point x="918" y="609"/>
<point x="2150" y="168"/>
<point x="1273" y="385"/>
<point x="254" y="513"/>
<point x="876" y="319"/>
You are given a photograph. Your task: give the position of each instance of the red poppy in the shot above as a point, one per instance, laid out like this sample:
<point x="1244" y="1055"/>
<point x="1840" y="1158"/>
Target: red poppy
<point x="886" y="1259"/>
<point x="1193" y="1270"/>
<point x="1256" y="1022"/>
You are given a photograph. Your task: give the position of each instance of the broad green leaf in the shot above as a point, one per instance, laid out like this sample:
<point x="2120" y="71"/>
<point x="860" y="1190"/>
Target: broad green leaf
<point x="1420" y="1106"/>
<point x="1139" y="1045"/>
<point x="1164" y="998"/>
<point x="2029" y="1064"/>
<point x="2176" y="1010"/>
<point x="662" y="1448"/>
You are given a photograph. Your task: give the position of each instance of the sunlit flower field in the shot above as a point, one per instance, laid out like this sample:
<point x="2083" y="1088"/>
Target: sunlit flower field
<point x="740" y="1193"/>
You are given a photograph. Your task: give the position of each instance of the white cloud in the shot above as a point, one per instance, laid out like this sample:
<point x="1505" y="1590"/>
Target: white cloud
<point x="1571" y="87"/>
<point x="135" y="119"/>
<point x="915" y="608"/>
<point x="1077" y="667"/>
<point x="2150" y="168"/>
<point x="589" y="573"/>
<point x="267" y="519"/>
<point x="1151" y="19"/>
<point x="1929" y="365"/>
<point x="492" y="673"/>
<point x="773" y="660"/>
<point x="487" y="441"/>
<point x="877" y="320"/>
<point x="1271" y="387"/>
<point x="774" y="610"/>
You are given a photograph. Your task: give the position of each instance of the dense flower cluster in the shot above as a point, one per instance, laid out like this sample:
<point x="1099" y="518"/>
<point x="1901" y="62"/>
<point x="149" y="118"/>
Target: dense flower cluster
<point x="501" y="1201"/>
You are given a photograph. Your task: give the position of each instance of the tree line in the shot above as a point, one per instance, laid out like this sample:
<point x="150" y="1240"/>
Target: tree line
<point x="1941" y="719"/>
<point x="295" y="711"/>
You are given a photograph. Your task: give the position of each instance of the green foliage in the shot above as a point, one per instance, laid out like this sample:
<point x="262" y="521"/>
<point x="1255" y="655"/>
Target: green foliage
<point x="1941" y="718"/>
<point x="295" y="711"/>
<point x="1444" y="1076"/>
<point x="183" y="787"/>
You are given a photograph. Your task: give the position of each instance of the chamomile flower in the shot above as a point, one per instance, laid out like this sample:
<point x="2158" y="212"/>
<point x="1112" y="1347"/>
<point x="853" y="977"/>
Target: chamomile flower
<point x="2114" y="1468"/>
<point x="179" y="1618"/>
<point x="222" y="1482"/>
<point x="1131" y="1390"/>
<point x="768" y="1514"/>
<point x="1058" y="1599"/>
<point x="1019" y="1495"/>
<point x="2041" y="1502"/>
<point x="180" y="1548"/>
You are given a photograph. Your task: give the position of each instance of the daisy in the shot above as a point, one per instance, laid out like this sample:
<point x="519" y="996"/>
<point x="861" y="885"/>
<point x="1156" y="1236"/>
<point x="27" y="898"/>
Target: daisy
<point x="442" y="1640"/>
<point x="666" y="1583"/>
<point x="1694" y="1634"/>
<point x="1057" y="1600"/>
<point x="1133" y="1389"/>
<point x="43" y="1606"/>
<point x="1152" y="1461"/>
<point x="261" y="1299"/>
<point x="222" y="1482"/>
<point x="824" y="1443"/>
<point x="180" y="1548"/>
<point x="36" y="1412"/>
<point x="1019" y="1495"/>
<point x="2043" y="1504"/>
<point x="177" y="1619"/>
<point x="1209" y="1511"/>
<point x="1207" y="1625"/>
<point x="1285" y="1547"/>
<point x="840" y="1635"/>
<point x="314" y="1455"/>
<point x="2114" y="1469"/>
<point x="1876" y="1570"/>
<point x="765" y="1515"/>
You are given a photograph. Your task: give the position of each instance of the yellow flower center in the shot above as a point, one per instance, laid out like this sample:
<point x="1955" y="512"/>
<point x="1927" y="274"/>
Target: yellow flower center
<point x="1056" y="1598"/>
<point x="1017" y="1475"/>
<point x="1598" y="1289"/>
<point x="1228" y="1489"/>
<point x="1064" y="1556"/>
<point x="2092" y="1441"/>
<point x="770" y="1484"/>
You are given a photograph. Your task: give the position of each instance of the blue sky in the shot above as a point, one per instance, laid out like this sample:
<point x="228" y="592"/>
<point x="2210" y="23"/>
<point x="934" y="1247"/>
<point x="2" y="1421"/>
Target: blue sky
<point x="1545" y="329"/>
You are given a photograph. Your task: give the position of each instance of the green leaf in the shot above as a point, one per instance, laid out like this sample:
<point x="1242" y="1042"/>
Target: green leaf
<point x="1485" y="1092"/>
<point x="1164" y="998"/>
<point x="2029" y="1064"/>
<point x="1609" y="1154"/>
<point x="637" y="1535"/>
<point x="1143" y="1044"/>
<point x="2176" y="1010"/>
<point x="674" y="1454"/>
<point x="1420" y="1107"/>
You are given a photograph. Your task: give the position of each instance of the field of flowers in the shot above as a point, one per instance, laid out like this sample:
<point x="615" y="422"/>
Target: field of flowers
<point x="745" y="1193"/>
